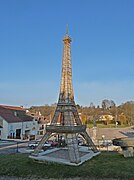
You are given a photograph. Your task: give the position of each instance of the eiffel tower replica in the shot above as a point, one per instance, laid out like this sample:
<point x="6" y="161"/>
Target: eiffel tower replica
<point x="66" y="120"/>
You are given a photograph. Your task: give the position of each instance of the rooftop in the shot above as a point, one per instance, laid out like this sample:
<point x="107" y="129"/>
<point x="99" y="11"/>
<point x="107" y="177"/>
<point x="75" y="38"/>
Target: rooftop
<point x="13" y="114"/>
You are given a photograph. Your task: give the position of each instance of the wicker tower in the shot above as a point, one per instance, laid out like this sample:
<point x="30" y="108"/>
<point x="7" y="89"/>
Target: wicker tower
<point x="66" y="120"/>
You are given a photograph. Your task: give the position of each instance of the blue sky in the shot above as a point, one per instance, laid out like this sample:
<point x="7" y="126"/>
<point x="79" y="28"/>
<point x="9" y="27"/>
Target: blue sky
<point x="31" y="33"/>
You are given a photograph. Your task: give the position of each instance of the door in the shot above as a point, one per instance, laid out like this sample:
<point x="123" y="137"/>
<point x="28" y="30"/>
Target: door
<point x="18" y="133"/>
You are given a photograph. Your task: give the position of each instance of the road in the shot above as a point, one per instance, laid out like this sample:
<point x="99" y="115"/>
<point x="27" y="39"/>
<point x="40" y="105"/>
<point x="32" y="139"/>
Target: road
<point x="7" y="147"/>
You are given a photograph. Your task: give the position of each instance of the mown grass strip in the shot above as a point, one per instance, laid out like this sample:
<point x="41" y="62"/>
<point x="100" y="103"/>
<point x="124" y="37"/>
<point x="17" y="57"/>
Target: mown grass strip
<point x="106" y="165"/>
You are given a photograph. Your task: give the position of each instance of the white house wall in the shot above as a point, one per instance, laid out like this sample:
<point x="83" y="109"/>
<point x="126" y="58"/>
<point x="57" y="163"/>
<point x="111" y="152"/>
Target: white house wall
<point x="4" y="130"/>
<point x="29" y="127"/>
<point x="12" y="128"/>
<point x="8" y="129"/>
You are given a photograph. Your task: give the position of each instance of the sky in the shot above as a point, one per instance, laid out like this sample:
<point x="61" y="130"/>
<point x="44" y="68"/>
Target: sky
<point x="31" y="46"/>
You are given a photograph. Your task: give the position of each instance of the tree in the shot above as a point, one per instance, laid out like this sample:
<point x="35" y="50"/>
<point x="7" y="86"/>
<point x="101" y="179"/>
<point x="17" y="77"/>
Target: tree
<point x="122" y="118"/>
<point x="128" y="109"/>
<point x="92" y="105"/>
<point x="107" y="104"/>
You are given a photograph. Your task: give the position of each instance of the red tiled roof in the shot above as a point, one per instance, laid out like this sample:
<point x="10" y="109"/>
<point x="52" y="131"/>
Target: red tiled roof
<point x="8" y="113"/>
<point x="13" y="108"/>
<point x="41" y="119"/>
<point x="8" y="116"/>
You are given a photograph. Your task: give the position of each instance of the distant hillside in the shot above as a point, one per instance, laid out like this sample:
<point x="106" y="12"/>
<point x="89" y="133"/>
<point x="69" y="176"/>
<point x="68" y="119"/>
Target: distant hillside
<point x="123" y="113"/>
<point x="44" y="110"/>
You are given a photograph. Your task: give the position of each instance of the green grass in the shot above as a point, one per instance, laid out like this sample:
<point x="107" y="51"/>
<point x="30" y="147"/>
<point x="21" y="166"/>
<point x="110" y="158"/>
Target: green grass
<point x="106" y="165"/>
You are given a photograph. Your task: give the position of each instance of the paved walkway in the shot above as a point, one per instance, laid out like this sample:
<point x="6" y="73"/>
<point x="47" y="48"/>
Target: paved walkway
<point x="111" y="133"/>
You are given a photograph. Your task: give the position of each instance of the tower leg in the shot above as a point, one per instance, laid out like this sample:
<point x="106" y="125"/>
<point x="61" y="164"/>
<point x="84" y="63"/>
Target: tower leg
<point x="41" y="144"/>
<point x="89" y="142"/>
<point x="72" y="144"/>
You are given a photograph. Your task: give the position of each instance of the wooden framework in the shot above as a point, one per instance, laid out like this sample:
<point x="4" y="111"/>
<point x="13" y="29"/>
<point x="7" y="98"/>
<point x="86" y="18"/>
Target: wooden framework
<point x="66" y="119"/>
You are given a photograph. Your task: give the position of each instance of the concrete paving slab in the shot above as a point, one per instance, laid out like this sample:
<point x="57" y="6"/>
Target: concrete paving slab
<point x="60" y="155"/>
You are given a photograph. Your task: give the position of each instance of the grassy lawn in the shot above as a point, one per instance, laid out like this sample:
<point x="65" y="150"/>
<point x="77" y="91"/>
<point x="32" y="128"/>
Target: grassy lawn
<point x="106" y="165"/>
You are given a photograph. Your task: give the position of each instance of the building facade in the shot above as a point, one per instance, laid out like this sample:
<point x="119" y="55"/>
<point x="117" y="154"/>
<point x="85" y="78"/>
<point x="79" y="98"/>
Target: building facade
<point x="16" y="124"/>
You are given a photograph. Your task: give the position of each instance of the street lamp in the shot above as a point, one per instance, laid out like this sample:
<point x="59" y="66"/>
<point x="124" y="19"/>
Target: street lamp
<point x="103" y="138"/>
<point x="17" y="148"/>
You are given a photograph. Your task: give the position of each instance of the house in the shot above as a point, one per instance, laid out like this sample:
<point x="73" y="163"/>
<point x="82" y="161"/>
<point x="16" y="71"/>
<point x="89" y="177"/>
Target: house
<point x="42" y="121"/>
<point x="106" y="118"/>
<point x="16" y="124"/>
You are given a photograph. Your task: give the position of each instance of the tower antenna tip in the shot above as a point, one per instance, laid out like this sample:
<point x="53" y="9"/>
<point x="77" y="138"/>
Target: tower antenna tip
<point x="67" y="29"/>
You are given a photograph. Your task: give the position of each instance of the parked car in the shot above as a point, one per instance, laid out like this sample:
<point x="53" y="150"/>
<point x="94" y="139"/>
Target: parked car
<point x="33" y="145"/>
<point x="106" y="143"/>
<point x="86" y="145"/>
<point x="53" y="143"/>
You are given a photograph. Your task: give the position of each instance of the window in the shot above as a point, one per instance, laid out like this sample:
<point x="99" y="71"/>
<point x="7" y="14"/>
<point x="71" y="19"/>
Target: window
<point x="42" y="126"/>
<point x="15" y="113"/>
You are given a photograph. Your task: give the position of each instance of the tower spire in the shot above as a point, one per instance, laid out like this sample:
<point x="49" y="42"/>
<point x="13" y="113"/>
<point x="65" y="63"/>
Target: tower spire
<point x="67" y="29"/>
<point x="66" y="89"/>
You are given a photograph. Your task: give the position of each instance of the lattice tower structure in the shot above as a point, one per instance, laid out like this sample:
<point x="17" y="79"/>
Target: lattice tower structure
<point x="66" y="120"/>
